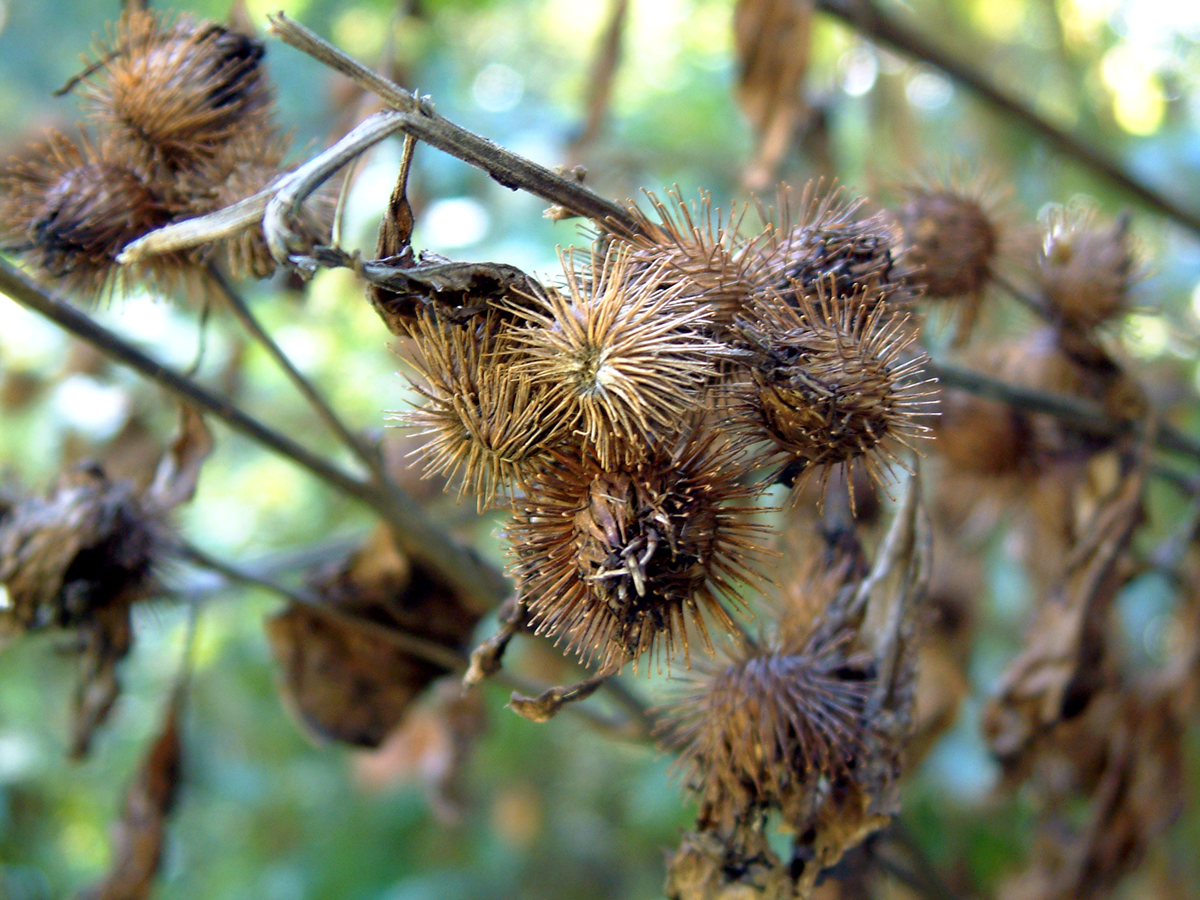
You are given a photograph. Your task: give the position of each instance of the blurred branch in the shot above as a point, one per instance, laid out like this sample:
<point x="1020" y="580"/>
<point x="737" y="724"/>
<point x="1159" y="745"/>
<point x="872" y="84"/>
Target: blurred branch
<point x="245" y="317"/>
<point x="1080" y="414"/>
<point x="600" y="80"/>
<point x="866" y="18"/>
<point x="455" y="565"/>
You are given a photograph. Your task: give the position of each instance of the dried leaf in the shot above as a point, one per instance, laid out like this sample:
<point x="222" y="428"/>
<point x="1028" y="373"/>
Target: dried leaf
<point x="138" y="835"/>
<point x="347" y="672"/>
<point x="549" y="703"/>
<point x="772" y="42"/>
<point x="179" y="469"/>
<point x="1062" y="666"/>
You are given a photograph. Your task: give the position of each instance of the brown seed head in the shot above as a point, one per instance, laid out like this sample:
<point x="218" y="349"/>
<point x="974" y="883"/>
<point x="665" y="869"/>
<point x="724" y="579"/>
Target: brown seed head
<point x="618" y="353"/>
<point x="821" y="239"/>
<point x="949" y="240"/>
<point x="616" y="561"/>
<point x="484" y="423"/>
<point x="767" y="729"/>
<point x="828" y="385"/>
<point x="1086" y="269"/>
<point x="69" y="208"/>
<point x="175" y="92"/>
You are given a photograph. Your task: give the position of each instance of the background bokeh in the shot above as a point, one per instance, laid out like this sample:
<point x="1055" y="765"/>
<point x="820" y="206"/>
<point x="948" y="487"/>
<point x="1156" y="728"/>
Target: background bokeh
<point x="555" y="810"/>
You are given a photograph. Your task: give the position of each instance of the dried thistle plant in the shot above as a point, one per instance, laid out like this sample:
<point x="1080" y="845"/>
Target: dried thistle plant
<point x="485" y="423"/>
<point x="820" y="239"/>
<point x="829" y="384"/>
<point x="68" y="207"/>
<point x="617" y="561"/>
<point x="621" y="353"/>
<point x="1085" y="269"/>
<point x="175" y="91"/>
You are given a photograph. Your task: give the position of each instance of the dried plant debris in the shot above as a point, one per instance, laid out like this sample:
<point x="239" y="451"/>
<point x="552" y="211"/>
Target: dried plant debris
<point x="351" y="670"/>
<point x="617" y="561"/>
<point x="80" y="558"/>
<point x="139" y="834"/>
<point x="812" y="730"/>
<point x="1066" y="661"/>
<point x="949" y="238"/>
<point x="830" y="385"/>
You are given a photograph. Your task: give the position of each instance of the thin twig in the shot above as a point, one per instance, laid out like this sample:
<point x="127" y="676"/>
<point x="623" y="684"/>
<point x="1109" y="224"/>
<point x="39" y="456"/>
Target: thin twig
<point x="478" y="584"/>
<point x="865" y="17"/>
<point x="418" y="119"/>
<point x="448" y="658"/>
<point x="320" y="405"/>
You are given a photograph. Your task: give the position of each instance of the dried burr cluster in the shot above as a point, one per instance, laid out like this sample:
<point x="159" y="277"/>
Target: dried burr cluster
<point x="181" y="125"/>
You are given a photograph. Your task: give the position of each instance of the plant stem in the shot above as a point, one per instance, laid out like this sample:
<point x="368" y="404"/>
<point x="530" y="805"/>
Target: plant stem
<point x="866" y="18"/>
<point x="419" y="120"/>
<point x="477" y="584"/>
<point x="245" y="317"/>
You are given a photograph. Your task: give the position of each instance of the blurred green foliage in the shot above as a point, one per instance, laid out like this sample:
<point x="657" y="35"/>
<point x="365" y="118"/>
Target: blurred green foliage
<point x="552" y="811"/>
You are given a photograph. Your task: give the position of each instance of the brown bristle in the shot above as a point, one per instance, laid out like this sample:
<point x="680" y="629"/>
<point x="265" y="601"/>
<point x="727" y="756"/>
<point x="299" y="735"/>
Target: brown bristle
<point x="821" y="239"/>
<point x="767" y="729"/>
<point x="1086" y="269"/>
<point x="699" y="247"/>
<point x="949" y="240"/>
<point x="619" y="353"/>
<point x="829" y="385"/>
<point x="484" y="424"/>
<point x="175" y="91"/>
<point x="618" y="561"/>
<point x="69" y="208"/>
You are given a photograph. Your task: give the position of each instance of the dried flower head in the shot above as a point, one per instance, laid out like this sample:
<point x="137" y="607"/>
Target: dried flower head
<point x="175" y="92"/>
<point x="621" y="353"/>
<point x="765" y="730"/>
<point x="950" y="240"/>
<point x="617" y="560"/>
<point x="1086" y="269"/>
<point x="69" y="208"/>
<point x="484" y="423"/>
<point x="821" y="239"/>
<point x="982" y="436"/>
<point x="829" y="385"/>
<point x="698" y="247"/>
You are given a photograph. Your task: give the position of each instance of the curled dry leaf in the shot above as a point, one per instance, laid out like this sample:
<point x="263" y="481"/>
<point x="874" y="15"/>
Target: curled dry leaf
<point x="772" y="42"/>
<point x="1064" y="662"/>
<point x="549" y="703"/>
<point x="138" y="835"/>
<point x="351" y="671"/>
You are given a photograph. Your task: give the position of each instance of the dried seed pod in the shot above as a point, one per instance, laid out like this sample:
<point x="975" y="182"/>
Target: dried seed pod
<point x="69" y="208"/>
<point x="484" y="423"/>
<point x="987" y="437"/>
<point x="699" y="248"/>
<point x="175" y="92"/>
<point x="828" y="384"/>
<point x="950" y="240"/>
<point x="768" y="728"/>
<point x="824" y="242"/>
<point x="616" y="560"/>
<point x="619" y="353"/>
<point x="1085" y="269"/>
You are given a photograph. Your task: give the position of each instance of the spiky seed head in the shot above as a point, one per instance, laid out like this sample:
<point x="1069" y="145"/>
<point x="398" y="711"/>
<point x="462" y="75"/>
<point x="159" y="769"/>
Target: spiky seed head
<point x="982" y="436"/>
<point x="822" y="238"/>
<point x="484" y="424"/>
<point x="618" y="561"/>
<point x="949" y="239"/>
<point x="767" y="728"/>
<point x="617" y="353"/>
<point x="1085" y="268"/>
<point x="175" y="91"/>
<point x="829" y="385"/>
<point x="69" y="207"/>
<point x="698" y="247"/>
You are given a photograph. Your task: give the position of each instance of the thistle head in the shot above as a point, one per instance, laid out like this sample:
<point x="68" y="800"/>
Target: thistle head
<point x="950" y="240"/>
<point x="1085" y="268"/>
<point x="619" y="561"/>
